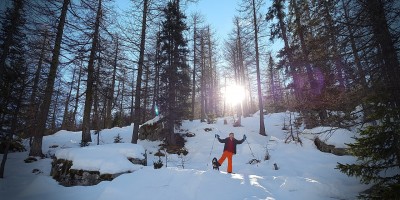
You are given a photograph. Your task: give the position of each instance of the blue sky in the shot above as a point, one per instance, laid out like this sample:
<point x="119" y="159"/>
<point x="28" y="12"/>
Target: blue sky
<point x="217" y="13"/>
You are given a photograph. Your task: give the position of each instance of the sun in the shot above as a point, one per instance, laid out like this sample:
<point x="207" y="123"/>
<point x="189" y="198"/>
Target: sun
<point x="234" y="94"/>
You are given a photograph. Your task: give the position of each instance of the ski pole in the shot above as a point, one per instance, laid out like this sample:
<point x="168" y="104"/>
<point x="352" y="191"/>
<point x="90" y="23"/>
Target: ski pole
<point x="212" y="147"/>
<point x="250" y="149"/>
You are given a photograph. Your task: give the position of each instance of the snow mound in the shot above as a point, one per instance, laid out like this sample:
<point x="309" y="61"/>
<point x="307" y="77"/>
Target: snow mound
<point x="107" y="159"/>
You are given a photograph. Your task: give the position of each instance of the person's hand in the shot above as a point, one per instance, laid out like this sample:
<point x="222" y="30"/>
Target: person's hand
<point x="244" y="137"/>
<point x="216" y="135"/>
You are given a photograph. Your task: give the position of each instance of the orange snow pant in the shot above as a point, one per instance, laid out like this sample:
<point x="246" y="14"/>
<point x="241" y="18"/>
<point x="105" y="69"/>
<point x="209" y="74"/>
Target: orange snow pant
<point x="227" y="154"/>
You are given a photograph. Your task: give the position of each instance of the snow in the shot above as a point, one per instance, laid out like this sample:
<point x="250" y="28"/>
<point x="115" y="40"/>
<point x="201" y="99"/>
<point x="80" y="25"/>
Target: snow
<point x="304" y="172"/>
<point x="92" y="158"/>
<point x="335" y="136"/>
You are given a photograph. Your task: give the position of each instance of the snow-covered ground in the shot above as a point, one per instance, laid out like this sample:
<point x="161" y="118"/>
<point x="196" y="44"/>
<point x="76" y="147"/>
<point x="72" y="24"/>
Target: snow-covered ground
<point x="304" y="172"/>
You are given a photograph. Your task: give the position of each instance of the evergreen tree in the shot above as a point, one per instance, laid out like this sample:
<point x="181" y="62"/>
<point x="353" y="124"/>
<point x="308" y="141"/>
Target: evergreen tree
<point x="378" y="154"/>
<point x="378" y="147"/>
<point x="13" y="75"/>
<point x="175" y="80"/>
<point x="12" y="64"/>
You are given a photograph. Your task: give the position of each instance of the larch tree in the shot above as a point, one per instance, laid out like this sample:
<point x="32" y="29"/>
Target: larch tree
<point x="138" y="109"/>
<point x="36" y="148"/>
<point x="86" y="136"/>
<point x="196" y="19"/>
<point x="260" y="96"/>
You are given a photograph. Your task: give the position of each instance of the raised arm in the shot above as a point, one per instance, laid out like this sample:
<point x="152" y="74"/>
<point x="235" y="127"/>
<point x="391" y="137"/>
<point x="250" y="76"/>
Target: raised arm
<point x="219" y="139"/>
<point x="242" y="140"/>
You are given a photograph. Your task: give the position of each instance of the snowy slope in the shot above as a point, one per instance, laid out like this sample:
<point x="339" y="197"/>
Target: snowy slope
<point x="304" y="172"/>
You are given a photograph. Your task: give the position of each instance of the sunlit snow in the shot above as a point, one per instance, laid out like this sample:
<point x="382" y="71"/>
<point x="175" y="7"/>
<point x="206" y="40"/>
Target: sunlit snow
<point x="304" y="172"/>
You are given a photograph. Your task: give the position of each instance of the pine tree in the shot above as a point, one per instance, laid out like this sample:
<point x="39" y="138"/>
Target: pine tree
<point x="13" y="75"/>
<point x="175" y="80"/>
<point x="12" y="63"/>
<point x="378" y="147"/>
<point x="378" y="155"/>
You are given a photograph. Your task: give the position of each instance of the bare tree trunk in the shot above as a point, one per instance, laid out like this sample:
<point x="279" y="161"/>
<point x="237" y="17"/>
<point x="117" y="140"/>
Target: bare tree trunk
<point x="194" y="66"/>
<point x="140" y="72"/>
<point x="76" y="98"/>
<point x="132" y="117"/>
<point x="53" y="119"/>
<point x="202" y="82"/>
<point x="110" y="96"/>
<point x="33" y="101"/>
<point x="260" y="97"/>
<point x="65" y="125"/>
<point x="240" y="71"/>
<point x="86" y="137"/>
<point x="145" y="93"/>
<point x="156" y="77"/>
<point x="121" y="103"/>
<point x="36" y="149"/>
<point x="96" y="112"/>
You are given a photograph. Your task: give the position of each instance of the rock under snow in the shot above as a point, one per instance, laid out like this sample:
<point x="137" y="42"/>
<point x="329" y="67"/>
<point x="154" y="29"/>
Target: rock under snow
<point x="93" y="164"/>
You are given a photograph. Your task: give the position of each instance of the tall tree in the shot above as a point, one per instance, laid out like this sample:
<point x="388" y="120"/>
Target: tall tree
<point x="77" y="95"/>
<point x="175" y="72"/>
<point x="260" y="96"/>
<point x="203" y="112"/>
<point x="137" y="110"/>
<point x="378" y="147"/>
<point x="86" y="137"/>
<point x="196" y="20"/>
<point x="66" y="122"/>
<point x="36" y="149"/>
<point x="13" y="74"/>
<point x="280" y="30"/>
<point x="110" y="94"/>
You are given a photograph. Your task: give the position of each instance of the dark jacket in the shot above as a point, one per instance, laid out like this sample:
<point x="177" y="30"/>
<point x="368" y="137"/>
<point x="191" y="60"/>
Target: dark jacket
<point x="235" y="142"/>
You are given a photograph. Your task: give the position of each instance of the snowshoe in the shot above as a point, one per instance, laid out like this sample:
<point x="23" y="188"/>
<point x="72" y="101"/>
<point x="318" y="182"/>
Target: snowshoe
<point x="215" y="163"/>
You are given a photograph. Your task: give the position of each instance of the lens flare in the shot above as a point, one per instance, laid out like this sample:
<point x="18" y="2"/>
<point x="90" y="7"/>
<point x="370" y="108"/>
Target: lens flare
<point x="234" y="94"/>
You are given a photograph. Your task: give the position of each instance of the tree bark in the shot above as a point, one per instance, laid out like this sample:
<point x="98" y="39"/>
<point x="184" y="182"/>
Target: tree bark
<point x="65" y="125"/>
<point x="33" y="102"/>
<point x="145" y="93"/>
<point x="260" y="97"/>
<point x="139" y="75"/>
<point x="202" y="82"/>
<point x="76" y="99"/>
<point x="36" y="149"/>
<point x="86" y="137"/>
<point x="110" y="96"/>
<point x="194" y="66"/>
<point x="156" y="89"/>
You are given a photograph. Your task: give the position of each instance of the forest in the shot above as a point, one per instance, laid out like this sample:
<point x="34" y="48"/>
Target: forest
<point x="87" y="65"/>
